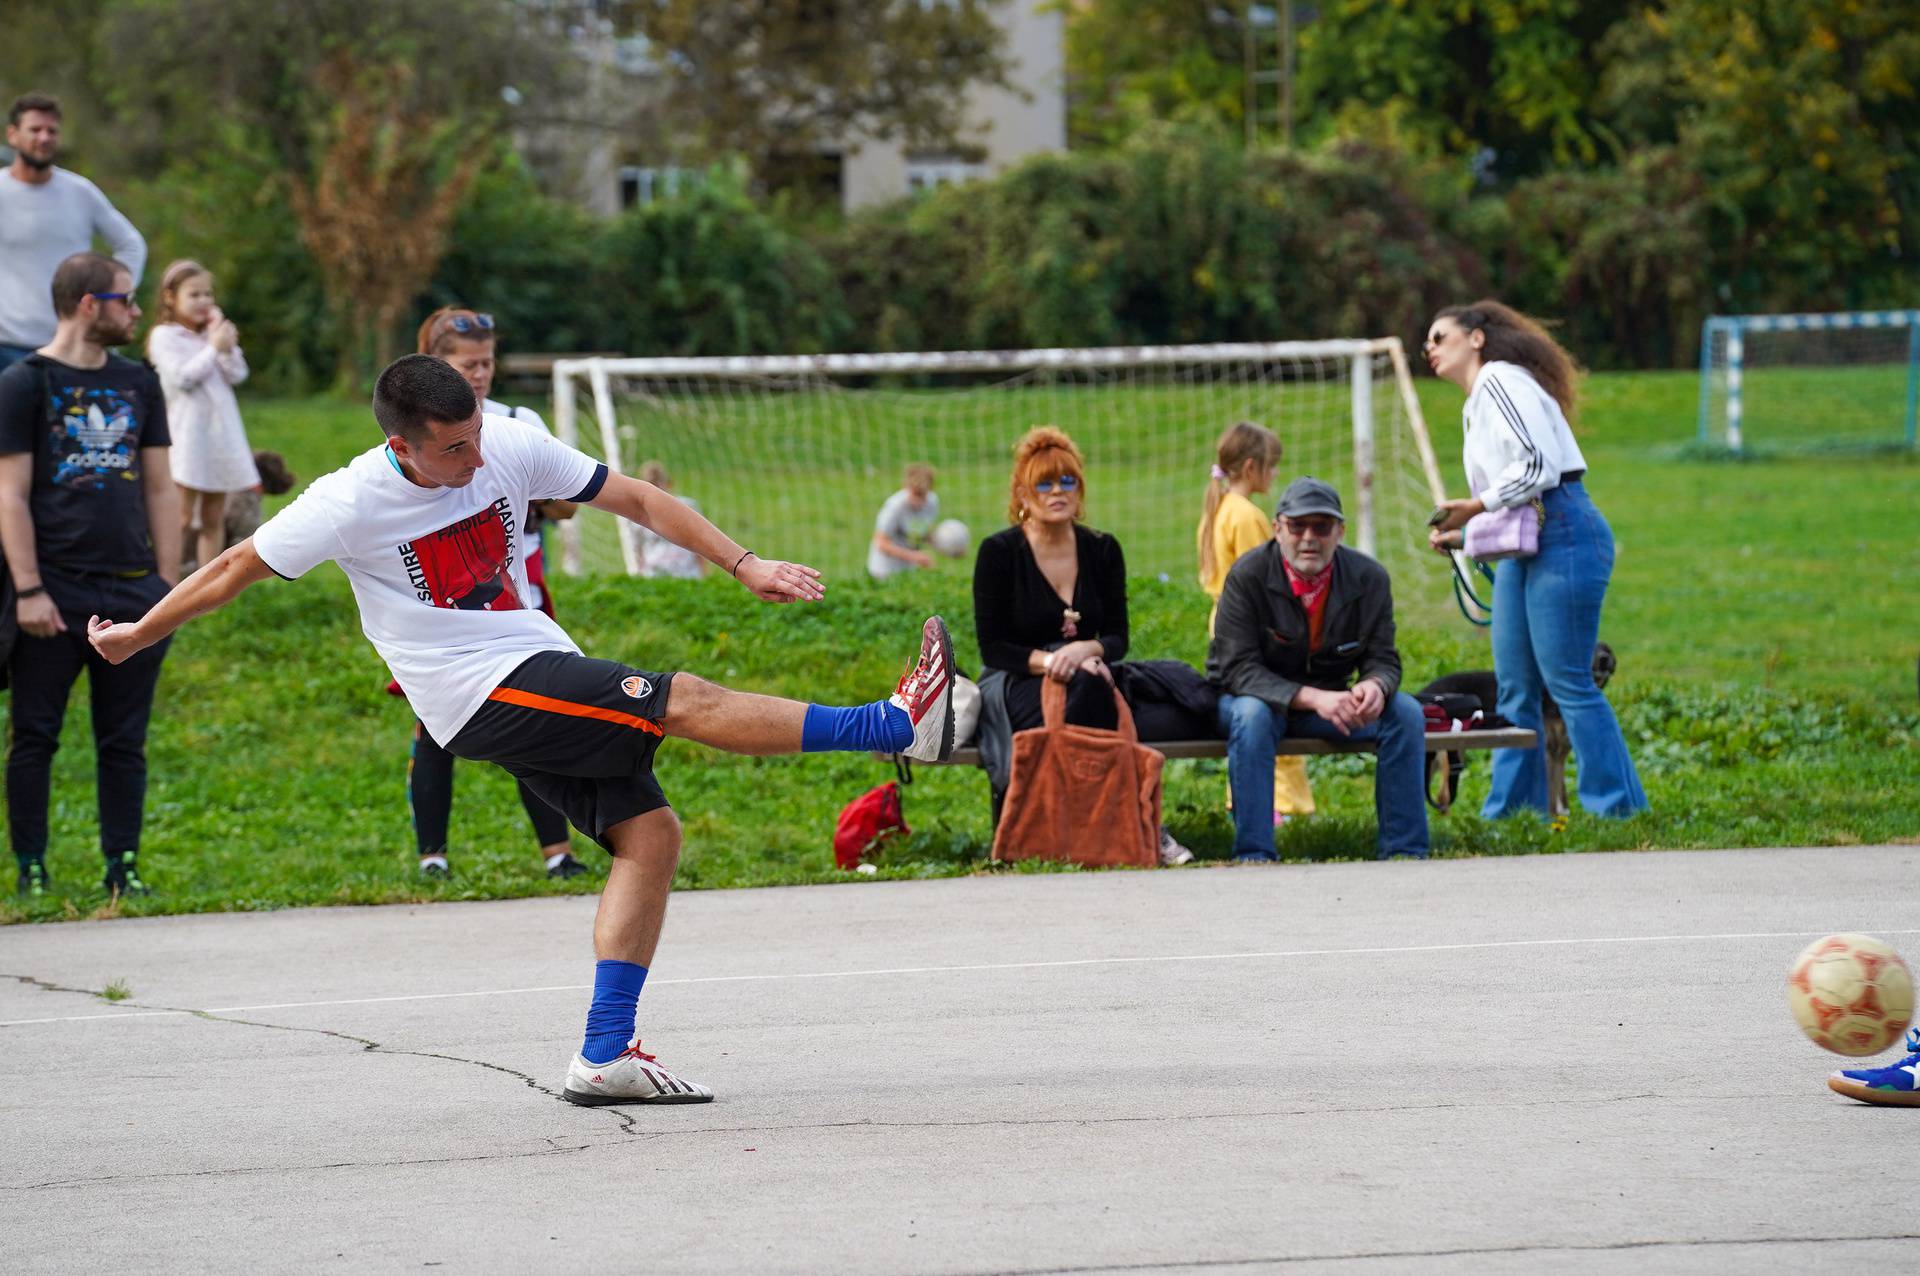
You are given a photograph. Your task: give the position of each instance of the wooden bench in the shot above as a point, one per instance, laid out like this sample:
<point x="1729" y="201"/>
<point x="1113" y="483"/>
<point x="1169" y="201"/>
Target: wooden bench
<point x="1437" y="742"/>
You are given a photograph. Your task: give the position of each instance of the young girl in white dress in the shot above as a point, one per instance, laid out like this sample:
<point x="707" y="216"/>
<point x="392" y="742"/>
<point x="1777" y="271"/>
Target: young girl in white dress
<point x="196" y="350"/>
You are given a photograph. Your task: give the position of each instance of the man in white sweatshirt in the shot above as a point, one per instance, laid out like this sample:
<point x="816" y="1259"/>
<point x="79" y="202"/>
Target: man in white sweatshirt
<point x="47" y="214"/>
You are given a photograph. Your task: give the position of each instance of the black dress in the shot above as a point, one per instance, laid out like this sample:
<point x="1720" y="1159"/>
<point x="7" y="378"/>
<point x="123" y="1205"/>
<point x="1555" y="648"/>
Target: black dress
<point x="1016" y="611"/>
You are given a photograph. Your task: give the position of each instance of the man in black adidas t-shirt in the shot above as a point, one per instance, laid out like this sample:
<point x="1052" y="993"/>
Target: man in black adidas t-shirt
<point x="89" y="519"/>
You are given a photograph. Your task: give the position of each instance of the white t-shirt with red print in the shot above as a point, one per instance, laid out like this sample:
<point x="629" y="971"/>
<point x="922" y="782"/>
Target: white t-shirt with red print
<point x="439" y="573"/>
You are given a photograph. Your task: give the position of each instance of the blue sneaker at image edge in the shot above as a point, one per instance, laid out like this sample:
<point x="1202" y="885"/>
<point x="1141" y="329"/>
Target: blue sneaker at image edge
<point x="1897" y="1085"/>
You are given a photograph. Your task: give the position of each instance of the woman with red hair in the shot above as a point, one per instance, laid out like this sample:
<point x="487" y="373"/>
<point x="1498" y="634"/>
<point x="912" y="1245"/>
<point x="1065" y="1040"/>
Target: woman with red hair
<point x="1050" y="602"/>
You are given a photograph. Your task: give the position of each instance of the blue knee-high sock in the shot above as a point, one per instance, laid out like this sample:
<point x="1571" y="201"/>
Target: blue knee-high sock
<point x="880" y="727"/>
<point x="616" y="991"/>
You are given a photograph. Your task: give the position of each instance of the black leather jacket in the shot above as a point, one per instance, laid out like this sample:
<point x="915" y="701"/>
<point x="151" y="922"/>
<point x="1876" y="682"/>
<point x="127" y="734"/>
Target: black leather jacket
<point x="1259" y="645"/>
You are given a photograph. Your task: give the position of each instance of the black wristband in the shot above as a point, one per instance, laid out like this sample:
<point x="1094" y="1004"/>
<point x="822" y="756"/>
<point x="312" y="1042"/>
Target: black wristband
<point x="744" y="556"/>
<point x="30" y="592"/>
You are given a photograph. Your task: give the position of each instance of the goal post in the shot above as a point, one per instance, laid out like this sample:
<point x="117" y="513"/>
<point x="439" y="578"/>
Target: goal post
<point x="1803" y="382"/>
<point x="798" y="452"/>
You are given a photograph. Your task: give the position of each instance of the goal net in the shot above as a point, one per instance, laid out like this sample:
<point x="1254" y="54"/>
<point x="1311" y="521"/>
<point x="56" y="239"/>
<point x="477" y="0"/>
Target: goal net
<point x="794" y="455"/>
<point x="1805" y="383"/>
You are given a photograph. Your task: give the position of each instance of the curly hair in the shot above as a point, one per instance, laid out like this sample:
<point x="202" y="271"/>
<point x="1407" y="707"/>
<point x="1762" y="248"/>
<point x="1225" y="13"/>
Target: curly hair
<point x="1043" y="452"/>
<point x="1515" y="338"/>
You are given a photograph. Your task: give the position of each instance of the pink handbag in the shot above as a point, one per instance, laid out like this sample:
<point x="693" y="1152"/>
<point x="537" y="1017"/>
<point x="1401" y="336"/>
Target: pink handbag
<point x="1512" y="532"/>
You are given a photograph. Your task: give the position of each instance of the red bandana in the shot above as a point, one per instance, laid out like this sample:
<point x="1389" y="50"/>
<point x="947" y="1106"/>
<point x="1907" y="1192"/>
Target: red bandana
<point x="1312" y="593"/>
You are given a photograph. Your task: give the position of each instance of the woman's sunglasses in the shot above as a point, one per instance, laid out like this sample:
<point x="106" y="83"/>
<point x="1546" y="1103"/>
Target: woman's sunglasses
<point x="1065" y="483"/>
<point x="463" y="324"/>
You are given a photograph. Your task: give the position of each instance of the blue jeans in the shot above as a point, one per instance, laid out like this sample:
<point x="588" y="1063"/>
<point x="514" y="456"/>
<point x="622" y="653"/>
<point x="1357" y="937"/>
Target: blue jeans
<point x="1253" y="730"/>
<point x="10" y="355"/>
<point x="1546" y="619"/>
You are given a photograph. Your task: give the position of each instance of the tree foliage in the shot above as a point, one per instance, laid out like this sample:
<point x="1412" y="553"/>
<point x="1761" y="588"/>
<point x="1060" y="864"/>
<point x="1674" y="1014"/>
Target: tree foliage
<point x="769" y="78"/>
<point x="375" y="114"/>
<point x="1802" y="120"/>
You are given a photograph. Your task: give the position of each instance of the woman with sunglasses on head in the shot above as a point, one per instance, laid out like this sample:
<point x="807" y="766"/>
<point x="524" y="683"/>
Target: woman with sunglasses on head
<point x="1520" y="452"/>
<point x="1049" y="602"/>
<point x="465" y="339"/>
<point x="196" y="350"/>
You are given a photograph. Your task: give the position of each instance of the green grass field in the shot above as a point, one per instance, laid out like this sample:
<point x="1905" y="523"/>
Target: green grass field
<point x="1763" y="614"/>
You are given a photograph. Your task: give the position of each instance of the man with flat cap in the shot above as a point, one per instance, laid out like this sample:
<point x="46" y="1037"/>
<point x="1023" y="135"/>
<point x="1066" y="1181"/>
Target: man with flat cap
<point x="1303" y="646"/>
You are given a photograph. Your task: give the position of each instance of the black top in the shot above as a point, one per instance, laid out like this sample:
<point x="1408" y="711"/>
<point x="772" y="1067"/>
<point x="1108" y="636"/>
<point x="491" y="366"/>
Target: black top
<point x="86" y="428"/>
<point x="1260" y="632"/>
<point x="1015" y="610"/>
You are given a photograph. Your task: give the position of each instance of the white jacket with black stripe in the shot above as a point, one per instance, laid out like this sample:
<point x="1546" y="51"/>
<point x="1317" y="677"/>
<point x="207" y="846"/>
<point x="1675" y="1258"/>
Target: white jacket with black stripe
<point x="1518" y="441"/>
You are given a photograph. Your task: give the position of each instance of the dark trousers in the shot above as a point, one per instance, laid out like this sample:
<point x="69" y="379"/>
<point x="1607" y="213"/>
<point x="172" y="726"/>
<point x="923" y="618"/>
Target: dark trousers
<point x="1090" y="704"/>
<point x="430" y="790"/>
<point x="42" y="672"/>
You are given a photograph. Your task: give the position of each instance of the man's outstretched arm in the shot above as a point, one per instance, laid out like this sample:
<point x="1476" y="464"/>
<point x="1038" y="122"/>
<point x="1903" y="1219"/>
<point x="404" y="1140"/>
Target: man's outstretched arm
<point x="647" y="505"/>
<point x="209" y="589"/>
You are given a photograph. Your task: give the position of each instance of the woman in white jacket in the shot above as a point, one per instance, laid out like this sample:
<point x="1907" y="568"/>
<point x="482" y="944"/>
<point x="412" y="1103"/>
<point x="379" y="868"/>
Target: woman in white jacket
<point x="1546" y="608"/>
<point x="196" y="351"/>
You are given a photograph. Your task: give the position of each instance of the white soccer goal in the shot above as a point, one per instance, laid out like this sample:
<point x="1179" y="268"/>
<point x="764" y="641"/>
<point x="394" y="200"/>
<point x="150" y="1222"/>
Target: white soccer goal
<point x="793" y="455"/>
<point x="1807" y="382"/>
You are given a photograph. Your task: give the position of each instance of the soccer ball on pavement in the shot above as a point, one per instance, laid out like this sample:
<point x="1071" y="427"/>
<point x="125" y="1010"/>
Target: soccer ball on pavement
<point x="1851" y="994"/>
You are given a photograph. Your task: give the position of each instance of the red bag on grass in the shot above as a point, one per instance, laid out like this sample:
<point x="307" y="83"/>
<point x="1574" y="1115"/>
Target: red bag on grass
<point x="867" y="821"/>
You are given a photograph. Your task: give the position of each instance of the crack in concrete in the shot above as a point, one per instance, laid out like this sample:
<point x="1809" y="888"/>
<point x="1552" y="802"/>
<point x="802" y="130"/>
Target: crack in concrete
<point x="231" y="1170"/>
<point x="1149" y="1119"/>
<point x="628" y="1128"/>
<point x="44" y="986"/>
<point x="625" y="1120"/>
<point x="1269" y="1260"/>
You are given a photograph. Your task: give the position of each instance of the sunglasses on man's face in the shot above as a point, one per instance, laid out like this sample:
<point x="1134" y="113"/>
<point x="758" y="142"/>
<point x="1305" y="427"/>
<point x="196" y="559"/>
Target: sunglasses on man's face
<point x="1321" y="527"/>
<point x="1065" y="483"/>
<point x="463" y="324"/>
<point x="112" y="296"/>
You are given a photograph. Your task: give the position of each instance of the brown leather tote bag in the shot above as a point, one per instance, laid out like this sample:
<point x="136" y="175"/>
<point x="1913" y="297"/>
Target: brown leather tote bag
<point x="1081" y="794"/>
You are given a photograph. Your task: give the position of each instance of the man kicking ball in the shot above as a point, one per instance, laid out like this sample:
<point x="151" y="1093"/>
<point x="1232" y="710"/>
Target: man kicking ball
<point x="427" y="528"/>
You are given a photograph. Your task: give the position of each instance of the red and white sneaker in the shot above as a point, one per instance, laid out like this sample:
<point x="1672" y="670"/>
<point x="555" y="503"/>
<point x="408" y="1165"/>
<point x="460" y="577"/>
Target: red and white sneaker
<point x="926" y="694"/>
<point x="633" y="1077"/>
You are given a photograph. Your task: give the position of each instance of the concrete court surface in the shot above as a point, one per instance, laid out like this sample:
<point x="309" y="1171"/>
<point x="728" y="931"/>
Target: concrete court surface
<point x="1558" y="1063"/>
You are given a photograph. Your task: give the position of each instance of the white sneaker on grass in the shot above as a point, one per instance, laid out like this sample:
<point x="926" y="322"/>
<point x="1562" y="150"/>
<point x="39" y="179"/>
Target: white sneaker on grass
<point x="633" y="1077"/>
<point x="1172" y="853"/>
<point x="926" y="694"/>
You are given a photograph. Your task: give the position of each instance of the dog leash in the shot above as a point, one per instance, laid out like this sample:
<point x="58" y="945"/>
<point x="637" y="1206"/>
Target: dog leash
<point x="1463" y="591"/>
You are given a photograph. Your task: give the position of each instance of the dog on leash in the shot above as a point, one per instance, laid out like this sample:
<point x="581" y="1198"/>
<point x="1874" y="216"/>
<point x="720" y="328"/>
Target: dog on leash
<point x="1480" y="684"/>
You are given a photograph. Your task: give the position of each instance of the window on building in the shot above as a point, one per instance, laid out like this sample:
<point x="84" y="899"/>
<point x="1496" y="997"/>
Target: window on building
<point x="924" y="172"/>
<point x="642" y="184"/>
<point x="812" y="179"/>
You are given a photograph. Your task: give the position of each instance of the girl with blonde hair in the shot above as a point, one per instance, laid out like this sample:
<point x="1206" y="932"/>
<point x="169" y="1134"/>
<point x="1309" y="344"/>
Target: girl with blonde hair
<point x="1520" y="452"/>
<point x="1230" y="525"/>
<point x="196" y="350"/>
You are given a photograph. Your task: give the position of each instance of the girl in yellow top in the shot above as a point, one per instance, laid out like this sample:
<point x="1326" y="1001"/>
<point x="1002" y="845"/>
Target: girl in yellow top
<point x="1230" y="525"/>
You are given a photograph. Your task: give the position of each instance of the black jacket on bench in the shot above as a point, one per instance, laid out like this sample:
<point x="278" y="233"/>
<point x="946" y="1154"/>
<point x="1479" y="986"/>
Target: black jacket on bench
<point x="1260" y="632"/>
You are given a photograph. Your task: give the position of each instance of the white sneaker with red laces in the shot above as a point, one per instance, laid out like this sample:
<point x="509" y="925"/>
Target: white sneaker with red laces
<point x="926" y="694"/>
<point x="633" y="1077"/>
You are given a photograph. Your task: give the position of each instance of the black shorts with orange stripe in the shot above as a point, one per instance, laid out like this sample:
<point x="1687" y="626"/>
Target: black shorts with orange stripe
<point x="580" y="732"/>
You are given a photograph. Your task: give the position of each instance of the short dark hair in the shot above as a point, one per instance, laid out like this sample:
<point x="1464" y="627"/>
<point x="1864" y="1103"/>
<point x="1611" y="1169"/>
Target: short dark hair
<point x="417" y="390"/>
<point x="79" y="275"/>
<point x="45" y="103"/>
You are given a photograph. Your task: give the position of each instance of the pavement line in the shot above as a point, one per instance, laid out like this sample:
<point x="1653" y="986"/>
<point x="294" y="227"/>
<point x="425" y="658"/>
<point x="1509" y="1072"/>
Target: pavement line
<point x="1278" y="954"/>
